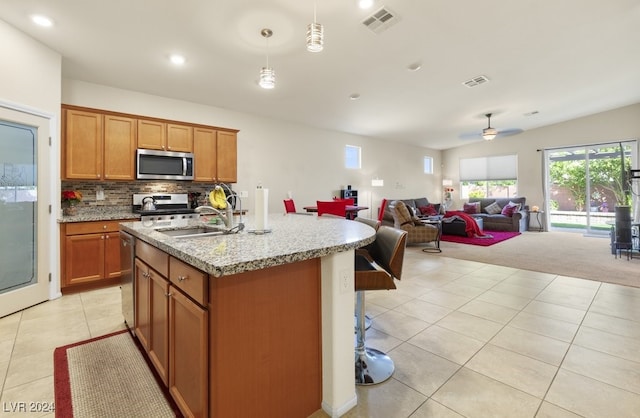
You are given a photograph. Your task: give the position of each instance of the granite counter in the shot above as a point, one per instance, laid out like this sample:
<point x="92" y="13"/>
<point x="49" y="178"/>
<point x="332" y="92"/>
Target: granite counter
<point x="292" y="238"/>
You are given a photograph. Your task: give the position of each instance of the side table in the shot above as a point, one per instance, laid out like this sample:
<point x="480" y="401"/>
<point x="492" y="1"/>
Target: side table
<point x="438" y="223"/>
<point x="539" y="228"/>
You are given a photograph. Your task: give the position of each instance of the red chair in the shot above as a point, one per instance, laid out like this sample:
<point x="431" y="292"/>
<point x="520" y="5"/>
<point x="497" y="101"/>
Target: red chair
<point x="333" y="207"/>
<point x="289" y="206"/>
<point x="383" y="205"/>
<point x="349" y="202"/>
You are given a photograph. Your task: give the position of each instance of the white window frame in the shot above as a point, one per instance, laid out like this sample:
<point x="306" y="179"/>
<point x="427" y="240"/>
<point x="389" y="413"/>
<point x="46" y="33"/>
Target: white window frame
<point x="428" y="165"/>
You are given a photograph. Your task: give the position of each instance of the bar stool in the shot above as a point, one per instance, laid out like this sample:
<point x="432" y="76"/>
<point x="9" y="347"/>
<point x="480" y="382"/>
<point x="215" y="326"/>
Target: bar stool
<point x="375" y="269"/>
<point x="375" y="224"/>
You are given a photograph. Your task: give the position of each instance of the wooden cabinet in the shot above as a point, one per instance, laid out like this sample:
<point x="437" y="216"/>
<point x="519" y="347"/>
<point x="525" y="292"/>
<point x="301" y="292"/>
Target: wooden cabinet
<point x="164" y="136"/>
<point x="83" y="142"/>
<point x="90" y="253"/>
<point x="172" y="325"/>
<point x="98" y="146"/>
<point x="216" y="155"/>
<point x="119" y="148"/>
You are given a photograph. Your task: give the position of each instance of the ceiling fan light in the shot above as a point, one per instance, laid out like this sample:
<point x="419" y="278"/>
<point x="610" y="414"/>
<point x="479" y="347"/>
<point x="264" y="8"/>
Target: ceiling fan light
<point x="315" y="37"/>
<point x="267" y="78"/>
<point x="489" y="133"/>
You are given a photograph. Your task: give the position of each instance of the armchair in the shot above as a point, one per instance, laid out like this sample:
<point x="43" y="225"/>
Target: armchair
<point x="418" y="231"/>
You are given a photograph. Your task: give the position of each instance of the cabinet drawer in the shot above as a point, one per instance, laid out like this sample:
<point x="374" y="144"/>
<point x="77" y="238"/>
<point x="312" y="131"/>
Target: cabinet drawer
<point x="92" y="227"/>
<point x="189" y="279"/>
<point x="155" y="258"/>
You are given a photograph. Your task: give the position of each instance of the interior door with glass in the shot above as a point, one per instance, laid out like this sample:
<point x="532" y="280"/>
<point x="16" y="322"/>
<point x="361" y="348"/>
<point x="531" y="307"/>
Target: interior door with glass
<point x="24" y="210"/>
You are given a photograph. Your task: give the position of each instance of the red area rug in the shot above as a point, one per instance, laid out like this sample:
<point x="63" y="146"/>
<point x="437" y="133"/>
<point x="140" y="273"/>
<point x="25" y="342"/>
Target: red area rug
<point x="108" y="376"/>
<point x="498" y="236"/>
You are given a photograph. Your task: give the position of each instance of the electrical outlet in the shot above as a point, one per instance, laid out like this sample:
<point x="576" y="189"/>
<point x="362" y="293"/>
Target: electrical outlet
<point x="346" y="281"/>
<point x="99" y="194"/>
<point x="243" y="193"/>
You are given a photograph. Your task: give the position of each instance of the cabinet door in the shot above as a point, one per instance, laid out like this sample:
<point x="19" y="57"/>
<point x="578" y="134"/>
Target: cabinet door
<point x="119" y="148"/>
<point x="227" y="157"/>
<point x="84" y="258"/>
<point x="159" y="322"/>
<point x="151" y="134"/>
<point x="82" y="145"/>
<point x="179" y="138"/>
<point x="188" y="337"/>
<point x="142" y="286"/>
<point x="112" y="266"/>
<point x="204" y="151"/>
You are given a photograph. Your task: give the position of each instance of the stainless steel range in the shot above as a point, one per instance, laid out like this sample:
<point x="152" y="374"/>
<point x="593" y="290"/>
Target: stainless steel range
<point x="168" y="207"/>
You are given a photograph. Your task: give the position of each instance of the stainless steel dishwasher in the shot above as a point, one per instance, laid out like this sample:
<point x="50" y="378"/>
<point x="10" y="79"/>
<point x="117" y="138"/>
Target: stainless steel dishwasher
<point x="127" y="266"/>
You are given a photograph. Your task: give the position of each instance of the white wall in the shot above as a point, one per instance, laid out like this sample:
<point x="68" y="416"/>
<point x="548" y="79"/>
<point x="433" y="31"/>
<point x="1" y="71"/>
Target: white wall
<point x="30" y="72"/>
<point x="30" y="79"/>
<point x="284" y="156"/>
<point x="614" y="125"/>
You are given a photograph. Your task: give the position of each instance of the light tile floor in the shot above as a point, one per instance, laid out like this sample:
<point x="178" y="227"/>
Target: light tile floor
<point x="468" y="339"/>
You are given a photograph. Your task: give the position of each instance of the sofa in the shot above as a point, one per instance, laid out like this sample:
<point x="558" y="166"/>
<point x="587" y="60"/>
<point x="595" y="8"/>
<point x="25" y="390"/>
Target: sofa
<point x="413" y="205"/>
<point x="517" y="222"/>
<point x="405" y="220"/>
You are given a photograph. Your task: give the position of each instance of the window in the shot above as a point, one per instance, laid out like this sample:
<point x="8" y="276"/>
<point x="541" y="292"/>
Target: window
<point x="495" y="176"/>
<point x="428" y="165"/>
<point x="352" y="157"/>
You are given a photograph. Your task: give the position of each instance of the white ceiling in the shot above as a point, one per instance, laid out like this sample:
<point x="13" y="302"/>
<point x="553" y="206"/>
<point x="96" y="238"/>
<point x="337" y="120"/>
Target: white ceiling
<point x="561" y="58"/>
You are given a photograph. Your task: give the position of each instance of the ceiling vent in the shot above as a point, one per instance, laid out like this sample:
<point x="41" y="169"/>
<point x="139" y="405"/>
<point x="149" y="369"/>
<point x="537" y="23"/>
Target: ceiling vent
<point x="381" y="20"/>
<point x="476" y="81"/>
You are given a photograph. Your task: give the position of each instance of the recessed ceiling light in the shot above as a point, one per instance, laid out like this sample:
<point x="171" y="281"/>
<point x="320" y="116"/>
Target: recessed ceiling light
<point x="414" y="67"/>
<point x="177" y="59"/>
<point x="354" y="96"/>
<point x="535" y="112"/>
<point x="365" y="4"/>
<point x="41" y="20"/>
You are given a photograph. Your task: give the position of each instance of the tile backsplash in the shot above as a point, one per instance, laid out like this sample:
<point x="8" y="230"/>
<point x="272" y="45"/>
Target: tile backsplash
<point x="119" y="193"/>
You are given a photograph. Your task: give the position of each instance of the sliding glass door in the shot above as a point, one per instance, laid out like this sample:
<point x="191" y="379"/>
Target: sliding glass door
<point x="586" y="183"/>
<point x="24" y="210"/>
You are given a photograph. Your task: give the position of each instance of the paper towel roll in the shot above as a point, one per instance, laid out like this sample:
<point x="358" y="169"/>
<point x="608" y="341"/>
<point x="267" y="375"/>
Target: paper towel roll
<point x="261" y="211"/>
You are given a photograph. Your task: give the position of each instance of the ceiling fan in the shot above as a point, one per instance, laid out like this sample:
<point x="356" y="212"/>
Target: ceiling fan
<point x="489" y="133"/>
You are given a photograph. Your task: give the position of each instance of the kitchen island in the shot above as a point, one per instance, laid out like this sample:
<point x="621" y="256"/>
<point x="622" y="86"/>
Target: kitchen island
<point x="255" y="324"/>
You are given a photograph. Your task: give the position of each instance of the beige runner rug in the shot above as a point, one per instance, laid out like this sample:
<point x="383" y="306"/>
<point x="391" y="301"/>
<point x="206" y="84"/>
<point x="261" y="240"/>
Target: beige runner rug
<point x="107" y="377"/>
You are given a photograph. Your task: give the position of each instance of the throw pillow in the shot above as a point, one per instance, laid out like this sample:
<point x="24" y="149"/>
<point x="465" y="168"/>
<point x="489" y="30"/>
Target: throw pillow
<point x="471" y="208"/>
<point x="508" y="210"/>
<point x="517" y="205"/>
<point x="429" y="210"/>
<point x="493" y="209"/>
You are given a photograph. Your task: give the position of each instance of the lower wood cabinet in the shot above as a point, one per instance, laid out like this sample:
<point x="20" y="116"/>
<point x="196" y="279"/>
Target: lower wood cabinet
<point x="172" y="327"/>
<point x="90" y="253"/>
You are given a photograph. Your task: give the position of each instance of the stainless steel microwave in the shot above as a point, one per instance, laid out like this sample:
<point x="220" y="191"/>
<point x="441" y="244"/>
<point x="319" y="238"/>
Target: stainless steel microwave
<point x="163" y="165"/>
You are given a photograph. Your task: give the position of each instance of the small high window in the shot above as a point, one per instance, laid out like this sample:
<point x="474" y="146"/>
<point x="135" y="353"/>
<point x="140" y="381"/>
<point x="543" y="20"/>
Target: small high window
<point x="352" y="157"/>
<point x="428" y="165"/>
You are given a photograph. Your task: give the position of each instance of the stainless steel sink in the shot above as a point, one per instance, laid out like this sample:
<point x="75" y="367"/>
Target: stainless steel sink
<point x="194" y="232"/>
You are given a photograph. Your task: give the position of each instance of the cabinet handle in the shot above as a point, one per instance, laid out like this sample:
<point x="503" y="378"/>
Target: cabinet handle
<point x="102" y="237"/>
<point x="168" y="294"/>
<point x="181" y="278"/>
<point x="104" y="227"/>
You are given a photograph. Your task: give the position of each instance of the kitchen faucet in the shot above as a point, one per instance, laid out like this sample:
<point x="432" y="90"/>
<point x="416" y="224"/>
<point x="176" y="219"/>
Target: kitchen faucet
<point x="228" y="214"/>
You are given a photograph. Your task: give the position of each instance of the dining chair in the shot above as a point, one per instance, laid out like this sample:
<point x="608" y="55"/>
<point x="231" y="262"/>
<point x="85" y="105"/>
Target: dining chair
<point x="332" y="207"/>
<point x="376" y="269"/>
<point x="383" y="207"/>
<point x="348" y="201"/>
<point x="289" y="206"/>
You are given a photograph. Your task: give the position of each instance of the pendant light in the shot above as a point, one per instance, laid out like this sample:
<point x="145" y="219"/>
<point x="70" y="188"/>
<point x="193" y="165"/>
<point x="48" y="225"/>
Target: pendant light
<point x="489" y="133"/>
<point x="267" y="75"/>
<point x="315" y="34"/>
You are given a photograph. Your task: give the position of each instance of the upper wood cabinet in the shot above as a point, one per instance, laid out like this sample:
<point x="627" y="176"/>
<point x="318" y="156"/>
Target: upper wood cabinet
<point x="98" y="146"/>
<point x="101" y="145"/>
<point x="164" y="136"/>
<point x="83" y="138"/>
<point x="215" y="155"/>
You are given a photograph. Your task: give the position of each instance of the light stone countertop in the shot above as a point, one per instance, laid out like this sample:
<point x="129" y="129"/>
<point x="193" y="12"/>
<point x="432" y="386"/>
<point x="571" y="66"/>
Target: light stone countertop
<point x="292" y="238"/>
<point x="100" y="213"/>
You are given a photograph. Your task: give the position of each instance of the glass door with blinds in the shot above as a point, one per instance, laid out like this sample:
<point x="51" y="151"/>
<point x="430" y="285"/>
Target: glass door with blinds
<point x="24" y="210"/>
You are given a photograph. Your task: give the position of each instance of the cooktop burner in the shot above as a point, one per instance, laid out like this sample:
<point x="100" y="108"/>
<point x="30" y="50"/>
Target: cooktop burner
<point x="176" y="211"/>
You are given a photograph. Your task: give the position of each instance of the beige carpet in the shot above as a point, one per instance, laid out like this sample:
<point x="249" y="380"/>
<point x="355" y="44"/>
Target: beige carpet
<point x="561" y="253"/>
<point x="107" y="377"/>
